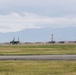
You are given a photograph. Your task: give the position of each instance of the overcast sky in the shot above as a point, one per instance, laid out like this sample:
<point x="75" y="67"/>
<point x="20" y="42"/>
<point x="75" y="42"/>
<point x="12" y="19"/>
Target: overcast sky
<point x="16" y="15"/>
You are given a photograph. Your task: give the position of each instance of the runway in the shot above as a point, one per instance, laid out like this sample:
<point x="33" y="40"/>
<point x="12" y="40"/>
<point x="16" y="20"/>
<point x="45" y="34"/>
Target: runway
<point x="39" y="57"/>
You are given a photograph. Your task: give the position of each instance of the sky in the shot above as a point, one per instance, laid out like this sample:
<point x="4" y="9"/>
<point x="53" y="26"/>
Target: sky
<point x="17" y="15"/>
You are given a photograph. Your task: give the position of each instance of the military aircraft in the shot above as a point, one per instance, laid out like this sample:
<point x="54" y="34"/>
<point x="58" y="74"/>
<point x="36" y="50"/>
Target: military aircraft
<point x="15" y="42"/>
<point x="51" y="42"/>
<point x="61" y="42"/>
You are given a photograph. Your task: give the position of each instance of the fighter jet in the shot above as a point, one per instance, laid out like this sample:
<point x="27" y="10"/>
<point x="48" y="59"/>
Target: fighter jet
<point x="15" y="42"/>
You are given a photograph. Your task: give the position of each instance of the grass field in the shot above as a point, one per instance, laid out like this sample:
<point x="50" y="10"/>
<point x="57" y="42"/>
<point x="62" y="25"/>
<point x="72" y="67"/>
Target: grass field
<point x="28" y="67"/>
<point x="40" y="67"/>
<point x="38" y="49"/>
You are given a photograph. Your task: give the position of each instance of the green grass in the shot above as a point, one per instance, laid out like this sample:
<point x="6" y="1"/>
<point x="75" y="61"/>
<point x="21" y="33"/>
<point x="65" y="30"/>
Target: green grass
<point x="38" y="49"/>
<point x="29" y="67"/>
<point x="40" y="67"/>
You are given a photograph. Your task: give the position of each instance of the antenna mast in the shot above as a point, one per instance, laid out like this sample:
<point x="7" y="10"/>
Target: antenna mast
<point x="52" y="37"/>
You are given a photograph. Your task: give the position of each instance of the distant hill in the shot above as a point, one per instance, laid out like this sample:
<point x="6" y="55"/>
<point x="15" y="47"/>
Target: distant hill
<point x="40" y="35"/>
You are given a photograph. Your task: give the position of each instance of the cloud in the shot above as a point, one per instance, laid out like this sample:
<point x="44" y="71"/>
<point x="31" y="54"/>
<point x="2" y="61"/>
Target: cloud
<point x="41" y="7"/>
<point x="15" y="22"/>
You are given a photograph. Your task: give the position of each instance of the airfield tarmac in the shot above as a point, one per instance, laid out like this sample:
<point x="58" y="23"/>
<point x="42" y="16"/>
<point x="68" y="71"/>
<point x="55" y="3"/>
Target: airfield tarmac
<point x="38" y="57"/>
